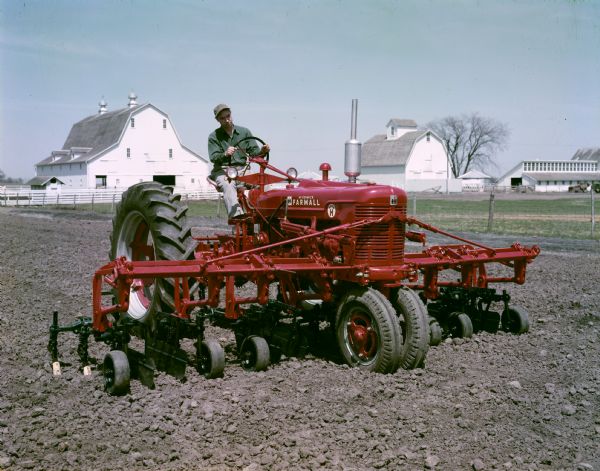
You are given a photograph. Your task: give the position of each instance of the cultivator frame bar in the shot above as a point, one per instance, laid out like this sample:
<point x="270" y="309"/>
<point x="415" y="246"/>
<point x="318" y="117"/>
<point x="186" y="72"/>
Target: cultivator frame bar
<point x="421" y="272"/>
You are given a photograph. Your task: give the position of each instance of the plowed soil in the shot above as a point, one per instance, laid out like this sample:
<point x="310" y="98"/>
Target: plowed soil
<point x="496" y="401"/>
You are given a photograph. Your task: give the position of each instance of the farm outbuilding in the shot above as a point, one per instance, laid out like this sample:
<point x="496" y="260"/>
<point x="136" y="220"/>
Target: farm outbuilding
<point x="554" y="175"/>
<point x="116" y="149"/>
<point x="474" y="180"/>
<point x="408" y="157"/>
<point x="52" y="184"/>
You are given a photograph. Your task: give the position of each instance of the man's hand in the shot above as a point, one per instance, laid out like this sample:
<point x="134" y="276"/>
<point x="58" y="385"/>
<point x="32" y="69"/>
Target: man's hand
<point x="230" y="150"/>
<point x="264" y="150"/>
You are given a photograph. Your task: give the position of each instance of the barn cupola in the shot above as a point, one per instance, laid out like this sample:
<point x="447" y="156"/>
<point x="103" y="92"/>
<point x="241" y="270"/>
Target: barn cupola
<point x="102" y="104"/>
<point x="132" y="100"/>
<point x="398" y="127"/>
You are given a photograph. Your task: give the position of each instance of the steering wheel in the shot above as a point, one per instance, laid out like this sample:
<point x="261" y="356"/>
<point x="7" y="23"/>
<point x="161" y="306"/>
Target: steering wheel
<point x="252" y="138"/>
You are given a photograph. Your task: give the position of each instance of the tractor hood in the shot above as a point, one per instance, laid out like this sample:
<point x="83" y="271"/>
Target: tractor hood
<point x="335" y="201"/>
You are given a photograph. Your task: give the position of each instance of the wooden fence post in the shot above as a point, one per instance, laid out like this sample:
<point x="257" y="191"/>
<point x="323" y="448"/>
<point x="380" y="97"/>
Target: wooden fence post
<point x="490" y="224"/>
<point x="593" y="210"/>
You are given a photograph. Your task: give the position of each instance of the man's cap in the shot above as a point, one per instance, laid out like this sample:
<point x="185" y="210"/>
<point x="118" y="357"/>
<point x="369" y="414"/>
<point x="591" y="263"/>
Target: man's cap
<point x="220" y="108"/>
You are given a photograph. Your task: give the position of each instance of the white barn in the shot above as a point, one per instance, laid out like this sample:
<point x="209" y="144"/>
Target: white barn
<point x="116" y="149"/>
<point x="409" y="158"/>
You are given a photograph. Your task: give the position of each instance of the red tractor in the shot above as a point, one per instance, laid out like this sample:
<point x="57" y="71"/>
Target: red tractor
<point x="308" y="253"/>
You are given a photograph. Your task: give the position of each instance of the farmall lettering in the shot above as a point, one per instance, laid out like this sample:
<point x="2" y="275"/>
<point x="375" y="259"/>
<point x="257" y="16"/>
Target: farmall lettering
<point x="303" y="200"/>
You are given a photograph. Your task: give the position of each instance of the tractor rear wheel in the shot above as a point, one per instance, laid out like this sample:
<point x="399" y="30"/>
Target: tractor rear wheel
<point x="116" y="373"/>
<point x="151" y="224"/>
<point x="413" y="318"/>
<point x="515" y="320"/>
<point x="368" y="331"/>
<point x="211" y="359"/>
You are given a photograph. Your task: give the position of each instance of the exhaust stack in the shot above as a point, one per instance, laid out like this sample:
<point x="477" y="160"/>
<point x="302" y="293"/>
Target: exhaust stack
<point x="352" y="149"/>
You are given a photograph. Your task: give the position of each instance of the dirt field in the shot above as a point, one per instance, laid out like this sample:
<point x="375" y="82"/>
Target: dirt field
<point x="492" y="402"/>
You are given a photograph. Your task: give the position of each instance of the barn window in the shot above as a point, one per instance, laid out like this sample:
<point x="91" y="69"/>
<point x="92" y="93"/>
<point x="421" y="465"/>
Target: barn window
<point x="128" y="153"/>
<point x="164" y="124"/>
<point x="133" y="122"/>
<point x="428" y="137"/>
<point x="170" y="153"/>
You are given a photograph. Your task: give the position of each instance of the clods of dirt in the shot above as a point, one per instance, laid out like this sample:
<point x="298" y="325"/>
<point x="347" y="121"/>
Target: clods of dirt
<point x="495" y="401"/>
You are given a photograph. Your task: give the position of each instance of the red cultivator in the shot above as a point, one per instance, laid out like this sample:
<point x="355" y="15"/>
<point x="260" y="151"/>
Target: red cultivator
<point x="306" y="253"/>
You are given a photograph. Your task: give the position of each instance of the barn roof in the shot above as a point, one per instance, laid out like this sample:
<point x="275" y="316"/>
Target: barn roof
<point x="590" y="153"/>
<point x="43" y="180"/>
<point x="563" y="176"/>
<point x="474" y="174"/>
<point x="93" y="135"/>
<point x="382" y="151"/>
<point x="402" y="123"/>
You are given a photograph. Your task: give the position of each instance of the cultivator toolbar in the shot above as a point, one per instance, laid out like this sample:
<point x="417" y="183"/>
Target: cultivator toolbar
<point x="306" y="253"/>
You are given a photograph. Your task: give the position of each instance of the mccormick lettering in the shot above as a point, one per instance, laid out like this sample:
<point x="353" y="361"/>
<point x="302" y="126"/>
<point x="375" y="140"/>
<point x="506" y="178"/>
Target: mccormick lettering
<point x="305" y="200"/>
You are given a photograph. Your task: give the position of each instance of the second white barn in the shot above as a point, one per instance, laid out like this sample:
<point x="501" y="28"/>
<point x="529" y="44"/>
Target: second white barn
<point x="407" y="157"/>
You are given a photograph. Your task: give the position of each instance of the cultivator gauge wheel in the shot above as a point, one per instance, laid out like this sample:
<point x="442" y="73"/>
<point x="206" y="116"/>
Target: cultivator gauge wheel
<point x="368" y="331"/>
<point x="254" y="353"/>
<point x="435" y="332"/>
<point x="116" y="373"/>
<point x="460" y="325"/>
<point x="211" y="359"/>
<point x="515" y="319"/>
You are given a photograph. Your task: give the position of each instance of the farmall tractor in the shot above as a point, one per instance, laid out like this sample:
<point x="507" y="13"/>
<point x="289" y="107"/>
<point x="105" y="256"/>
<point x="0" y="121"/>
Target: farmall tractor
<point x="308" y="253"/>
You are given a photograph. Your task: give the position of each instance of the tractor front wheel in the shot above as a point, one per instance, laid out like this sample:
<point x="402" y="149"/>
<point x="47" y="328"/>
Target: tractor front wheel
<point x="413" y="318"/>
<point x="368" y="331"/>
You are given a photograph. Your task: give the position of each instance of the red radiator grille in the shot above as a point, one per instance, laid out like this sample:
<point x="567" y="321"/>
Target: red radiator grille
<point x="381" y="242"/>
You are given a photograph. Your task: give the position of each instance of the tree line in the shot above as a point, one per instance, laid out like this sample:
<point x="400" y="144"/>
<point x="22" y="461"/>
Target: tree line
<point x="7" y="180"/>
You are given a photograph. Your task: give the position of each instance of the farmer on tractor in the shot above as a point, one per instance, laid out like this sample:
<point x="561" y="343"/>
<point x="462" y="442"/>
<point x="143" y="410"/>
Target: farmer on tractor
<point x="224" y="150"/>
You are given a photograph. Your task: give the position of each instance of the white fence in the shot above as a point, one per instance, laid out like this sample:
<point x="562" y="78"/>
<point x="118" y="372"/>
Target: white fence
<point x="27" y="197"/>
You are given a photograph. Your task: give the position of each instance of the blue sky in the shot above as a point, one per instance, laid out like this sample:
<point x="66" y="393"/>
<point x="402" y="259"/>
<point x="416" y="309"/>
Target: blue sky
<point x="290" y="69"/>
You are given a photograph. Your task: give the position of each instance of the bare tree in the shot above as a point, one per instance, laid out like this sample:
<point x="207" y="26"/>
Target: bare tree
<point x="471" y="140"/>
